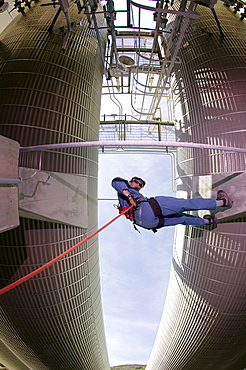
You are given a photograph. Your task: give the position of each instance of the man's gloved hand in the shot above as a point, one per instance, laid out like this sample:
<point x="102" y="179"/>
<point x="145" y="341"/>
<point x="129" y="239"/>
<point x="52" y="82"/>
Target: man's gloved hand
<point x="131" y="200"/>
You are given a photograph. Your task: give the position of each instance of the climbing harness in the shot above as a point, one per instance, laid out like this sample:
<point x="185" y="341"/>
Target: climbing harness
<point x="38" y="270"/>
<point x="154" y="206"/>
<point x="128" y="214"/>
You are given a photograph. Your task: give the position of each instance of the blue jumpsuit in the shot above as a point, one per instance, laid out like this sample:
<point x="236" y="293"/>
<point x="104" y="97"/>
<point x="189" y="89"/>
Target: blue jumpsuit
<point x="172" y="208"/>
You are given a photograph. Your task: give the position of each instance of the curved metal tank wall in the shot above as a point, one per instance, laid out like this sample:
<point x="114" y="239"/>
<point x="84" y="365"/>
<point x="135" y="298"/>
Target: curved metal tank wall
<point x="209" y="92"/>
<point x="50" y="95"/>
<point x="204" y="318"/>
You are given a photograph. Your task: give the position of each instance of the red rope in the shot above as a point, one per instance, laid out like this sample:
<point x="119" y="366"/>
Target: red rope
<point x="38" y="270"/>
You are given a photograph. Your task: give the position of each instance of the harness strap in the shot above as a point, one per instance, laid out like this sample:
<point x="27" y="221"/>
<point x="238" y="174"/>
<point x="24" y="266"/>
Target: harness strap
<point x="155" y="206"/>
<point x="160" y="223"/>
<point x="157" y="212"/>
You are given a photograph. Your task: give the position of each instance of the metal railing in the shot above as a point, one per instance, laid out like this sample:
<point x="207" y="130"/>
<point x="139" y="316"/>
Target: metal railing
<point x="126" y="128"/>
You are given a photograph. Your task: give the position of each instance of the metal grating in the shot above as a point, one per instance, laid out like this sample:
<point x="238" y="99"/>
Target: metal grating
<point x="136" y="130"/>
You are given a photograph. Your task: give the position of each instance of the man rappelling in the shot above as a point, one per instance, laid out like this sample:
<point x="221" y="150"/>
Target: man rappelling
<point x="160" y="211"/>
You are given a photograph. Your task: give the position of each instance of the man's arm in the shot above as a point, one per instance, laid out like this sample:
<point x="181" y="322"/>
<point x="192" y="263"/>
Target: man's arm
<point x="122" y="187"/>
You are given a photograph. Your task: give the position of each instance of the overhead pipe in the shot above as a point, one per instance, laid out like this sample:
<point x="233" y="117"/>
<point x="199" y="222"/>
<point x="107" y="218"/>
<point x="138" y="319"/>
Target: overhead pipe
<point x="122" y="143"/>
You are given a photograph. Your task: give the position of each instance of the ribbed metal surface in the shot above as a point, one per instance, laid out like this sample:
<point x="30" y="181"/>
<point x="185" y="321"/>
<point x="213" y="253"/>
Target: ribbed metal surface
<point x="210" y="92"/>
<point x="203" y="323"/>
<point x="49" y="96"/>
<point x="204" y="319"/>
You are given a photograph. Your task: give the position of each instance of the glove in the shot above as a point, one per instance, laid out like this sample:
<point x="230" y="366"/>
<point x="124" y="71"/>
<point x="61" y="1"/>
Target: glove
<point x="133" y="203"/>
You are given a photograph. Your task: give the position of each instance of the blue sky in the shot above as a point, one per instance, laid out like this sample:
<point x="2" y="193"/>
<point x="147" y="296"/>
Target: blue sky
<point x="134" y="267"/>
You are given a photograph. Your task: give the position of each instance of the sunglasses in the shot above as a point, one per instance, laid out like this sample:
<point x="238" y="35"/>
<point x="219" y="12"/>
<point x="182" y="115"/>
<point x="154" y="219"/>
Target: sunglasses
<point x="138" y="182"/>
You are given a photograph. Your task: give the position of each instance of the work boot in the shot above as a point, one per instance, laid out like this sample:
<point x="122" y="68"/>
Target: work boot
<point x="222" y="195"/>
<point x="212" y="220"/>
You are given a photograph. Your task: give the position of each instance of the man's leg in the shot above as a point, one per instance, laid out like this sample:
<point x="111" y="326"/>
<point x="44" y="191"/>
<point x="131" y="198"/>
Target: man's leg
<point x="172" y="205"/>
<point x="184" y="219"/>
